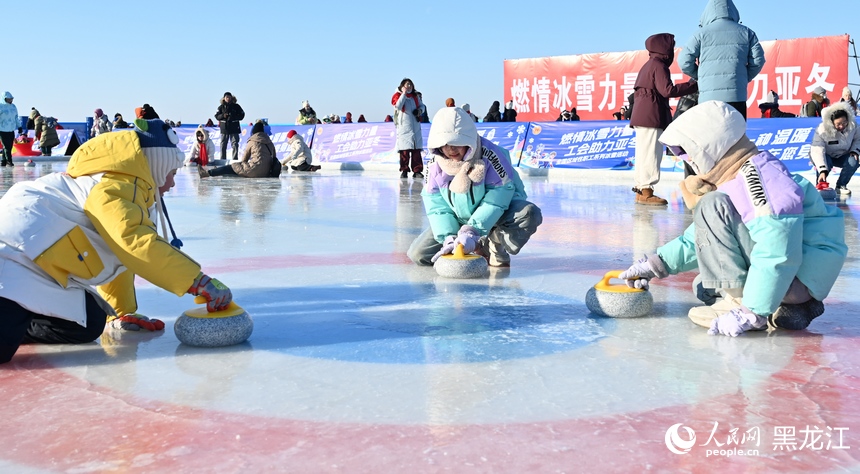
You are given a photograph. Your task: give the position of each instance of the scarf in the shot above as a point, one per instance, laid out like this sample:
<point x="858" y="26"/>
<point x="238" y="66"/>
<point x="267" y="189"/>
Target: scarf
<point x="464" y="172"/>
<point x="203" y="159"/>
<point x="696" y="186"/>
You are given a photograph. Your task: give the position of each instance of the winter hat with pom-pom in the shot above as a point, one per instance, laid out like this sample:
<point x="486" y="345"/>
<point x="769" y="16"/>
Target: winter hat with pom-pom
<point x="158" y="143"/>
<point x="291" y="134"/>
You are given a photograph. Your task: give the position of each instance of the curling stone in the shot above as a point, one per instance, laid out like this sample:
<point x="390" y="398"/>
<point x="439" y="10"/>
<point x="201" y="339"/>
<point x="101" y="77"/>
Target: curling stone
<point x="827" y="193"/>
<point x="461" y="265"/>
<point x="30" y="163"/>
<point x="198" y="327"/>
<point x="618" y="301"/>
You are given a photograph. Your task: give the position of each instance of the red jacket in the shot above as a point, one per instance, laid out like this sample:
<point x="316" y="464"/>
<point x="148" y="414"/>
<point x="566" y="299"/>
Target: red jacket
<point x="654" y="86"/>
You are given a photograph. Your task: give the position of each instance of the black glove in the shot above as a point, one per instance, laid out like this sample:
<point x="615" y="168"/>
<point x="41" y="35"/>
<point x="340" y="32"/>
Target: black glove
<point x="20" y="131"/>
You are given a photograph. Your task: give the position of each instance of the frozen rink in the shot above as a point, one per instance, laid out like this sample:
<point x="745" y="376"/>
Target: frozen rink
<point x="362" y="362"/>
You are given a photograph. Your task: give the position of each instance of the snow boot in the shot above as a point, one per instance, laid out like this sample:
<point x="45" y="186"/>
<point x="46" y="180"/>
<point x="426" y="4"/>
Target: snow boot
<point x="646" y="197"/>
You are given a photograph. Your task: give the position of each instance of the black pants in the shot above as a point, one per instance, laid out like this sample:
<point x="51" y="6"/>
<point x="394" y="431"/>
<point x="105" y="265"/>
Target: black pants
<point x="8" y="139"/>
<point x="740" y="107"/>
<point x="222" y="170"/>
<point x="302" y="167"/>
<point x="234" y="137"/>
<point x="20" y="326"/>
<point x="416" y="165"/>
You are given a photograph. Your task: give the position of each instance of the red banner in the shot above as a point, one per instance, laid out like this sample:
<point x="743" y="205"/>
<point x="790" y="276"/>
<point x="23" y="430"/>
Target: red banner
<point x="598" y="84"/>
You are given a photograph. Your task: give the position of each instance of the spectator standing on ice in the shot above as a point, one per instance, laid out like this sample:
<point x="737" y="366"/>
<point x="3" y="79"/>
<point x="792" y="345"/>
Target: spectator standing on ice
<point x="9" y="122"/>
<point x="723" y="56"/>
<point x="836" y="143"/>
<point x="652" y="114"/>
<point x="229" y="116"/>
<point x="408" y="108"/>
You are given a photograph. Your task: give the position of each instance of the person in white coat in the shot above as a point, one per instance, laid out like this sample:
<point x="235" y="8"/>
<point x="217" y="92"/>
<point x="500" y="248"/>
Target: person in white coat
<point x="408" y="108"/>
<point x="300" y="157"/>
<point x="836" y="143"/>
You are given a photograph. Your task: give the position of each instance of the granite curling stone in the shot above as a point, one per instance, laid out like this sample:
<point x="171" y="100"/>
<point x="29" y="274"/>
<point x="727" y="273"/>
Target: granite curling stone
<point x="461" y="265"/>
<point x="618" y="301"/>
<point x="198" y="327"/>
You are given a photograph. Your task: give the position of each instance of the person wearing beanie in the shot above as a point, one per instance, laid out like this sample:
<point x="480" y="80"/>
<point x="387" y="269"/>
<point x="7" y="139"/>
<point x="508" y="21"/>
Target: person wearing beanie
<point x="101" y="124"/>
<point x="307" y="115"/>
<point x="9" y="122"/>
<point x="118" y="121"/>
<point x="770" y="107"/>
<point x="46" y="131"/>
<point x="848" y="98"/>
<point x="300" y="157"/>
<point x="203" y="149"/>
<point x="256" y="161"/>
<point x="472" y="196"/>
<point x="767" y="248"/>
<point x="468" y="109"/>
<point x="408" y="108"/>
<point x="818" y="100"/>
<point x="71" y="243"/>
<point x="229" y="116"/>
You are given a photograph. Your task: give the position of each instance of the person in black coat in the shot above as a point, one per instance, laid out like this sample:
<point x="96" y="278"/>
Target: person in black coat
<point x="510" y="113"/>
<point x="230" y="116"/>
<point x="494" y="115"/>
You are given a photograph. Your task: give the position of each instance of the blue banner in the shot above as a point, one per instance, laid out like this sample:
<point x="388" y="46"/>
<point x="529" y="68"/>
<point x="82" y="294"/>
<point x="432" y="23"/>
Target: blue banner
<point x="591" y="144"/>
<point x="788" y="139"/>
<point x="586" y="144"/>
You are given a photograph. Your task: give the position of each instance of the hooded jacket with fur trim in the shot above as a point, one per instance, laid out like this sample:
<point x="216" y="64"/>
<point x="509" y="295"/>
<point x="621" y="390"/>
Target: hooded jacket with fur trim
<point x="102" y="203"/>
<point x="483" y="202"/>
<point x="831" y="142"/>
<point x="795" y="233"/>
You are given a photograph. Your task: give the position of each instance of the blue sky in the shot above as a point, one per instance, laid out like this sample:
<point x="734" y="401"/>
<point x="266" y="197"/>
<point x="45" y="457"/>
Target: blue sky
<point x="181" y="56"/>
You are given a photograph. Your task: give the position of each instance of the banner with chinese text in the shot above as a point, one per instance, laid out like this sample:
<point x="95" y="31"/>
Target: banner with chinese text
<point x="598" y="84"/>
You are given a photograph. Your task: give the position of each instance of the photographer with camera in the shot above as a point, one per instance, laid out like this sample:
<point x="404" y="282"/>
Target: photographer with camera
<point x="408" y="108"/>
<point x="230" y="116"/>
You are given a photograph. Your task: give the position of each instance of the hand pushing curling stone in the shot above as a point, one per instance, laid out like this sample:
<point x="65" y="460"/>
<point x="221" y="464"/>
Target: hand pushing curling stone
<point x="198" y="327"/>
<point x="460" y="265"/>
<point x="618" y="301"/>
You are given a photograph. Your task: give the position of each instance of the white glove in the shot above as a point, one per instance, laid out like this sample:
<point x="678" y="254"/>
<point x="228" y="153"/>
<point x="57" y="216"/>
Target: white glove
<point x="736" y="322"/>
<point x="638" y="275"/>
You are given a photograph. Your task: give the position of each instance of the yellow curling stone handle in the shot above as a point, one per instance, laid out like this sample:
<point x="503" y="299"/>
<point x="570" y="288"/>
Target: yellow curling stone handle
<point x="603" y="285"/>
<point x="459" y="254"/>
<point x="232" y="310"/>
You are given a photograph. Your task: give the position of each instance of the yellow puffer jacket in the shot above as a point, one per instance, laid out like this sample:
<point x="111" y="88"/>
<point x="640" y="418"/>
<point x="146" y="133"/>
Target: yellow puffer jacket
<point x="62" y="234"/>
<point x="119" y="208"/>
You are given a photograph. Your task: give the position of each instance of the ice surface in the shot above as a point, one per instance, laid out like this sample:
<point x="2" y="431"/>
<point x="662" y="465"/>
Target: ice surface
<point x="361" y="361"/>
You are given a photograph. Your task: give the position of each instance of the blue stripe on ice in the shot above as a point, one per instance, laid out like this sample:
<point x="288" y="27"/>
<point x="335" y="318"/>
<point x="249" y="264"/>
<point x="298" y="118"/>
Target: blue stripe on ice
<point x="448" y="322"/>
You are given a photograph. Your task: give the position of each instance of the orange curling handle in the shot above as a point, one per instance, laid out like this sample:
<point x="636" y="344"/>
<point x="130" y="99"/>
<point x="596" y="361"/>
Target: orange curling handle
<point x="232" y="310"/>
<point x="603" y="285"/>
